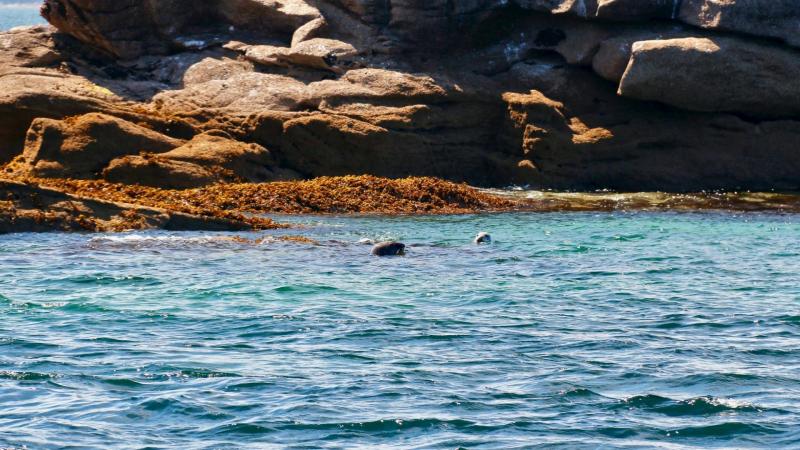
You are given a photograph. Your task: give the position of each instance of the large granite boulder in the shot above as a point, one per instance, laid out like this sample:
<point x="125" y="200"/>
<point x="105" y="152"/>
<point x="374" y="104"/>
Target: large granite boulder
<point x="715" y="74"/>
<point x="316" y="53"/>
<point x="769" y="18"/>
<point x="606" y="9"/>
<point x="132" y="28"/>
<point x="80" y="147"/>
<point x="277" y="17"/>
<point x="28" y="47"/>
<point x="208" y="158"/>
<point x="128" y="28"/>
<point x="101" y="146"/>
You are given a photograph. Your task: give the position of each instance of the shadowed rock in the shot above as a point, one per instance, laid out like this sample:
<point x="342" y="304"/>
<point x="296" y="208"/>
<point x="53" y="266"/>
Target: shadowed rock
<point x="771" y="18"/>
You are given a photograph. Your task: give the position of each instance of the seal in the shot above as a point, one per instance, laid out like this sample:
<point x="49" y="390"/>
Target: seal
<point x="483" y="238"/>
<point x="389" y="249"/>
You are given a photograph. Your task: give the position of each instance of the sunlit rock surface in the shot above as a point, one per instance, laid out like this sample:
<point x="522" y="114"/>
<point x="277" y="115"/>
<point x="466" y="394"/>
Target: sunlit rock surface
<point x="582" y="95"/>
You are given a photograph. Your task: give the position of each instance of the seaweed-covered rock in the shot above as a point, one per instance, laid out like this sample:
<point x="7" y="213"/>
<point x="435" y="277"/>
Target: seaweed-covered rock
<point x="27" y="207"/>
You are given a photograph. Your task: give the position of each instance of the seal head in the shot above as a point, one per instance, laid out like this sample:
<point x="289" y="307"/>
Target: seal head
<point x="389" y="249"/>
<point x="483" y="238"/>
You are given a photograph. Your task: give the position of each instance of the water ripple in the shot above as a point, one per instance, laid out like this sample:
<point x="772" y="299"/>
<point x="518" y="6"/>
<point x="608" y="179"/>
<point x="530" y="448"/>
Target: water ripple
<point x="580" y="330"/>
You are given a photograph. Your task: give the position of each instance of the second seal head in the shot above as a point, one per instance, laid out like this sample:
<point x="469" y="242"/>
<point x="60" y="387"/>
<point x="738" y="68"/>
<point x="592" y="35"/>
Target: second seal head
<point x="483" y="238"/>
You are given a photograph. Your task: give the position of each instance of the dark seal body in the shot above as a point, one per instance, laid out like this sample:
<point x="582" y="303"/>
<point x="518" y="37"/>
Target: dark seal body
<point x="388" y="249"/>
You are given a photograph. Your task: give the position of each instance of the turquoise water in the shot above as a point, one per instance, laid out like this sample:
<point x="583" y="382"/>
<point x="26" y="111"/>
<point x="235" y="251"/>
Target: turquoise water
<point x="624" y="330"/>
<point x="14" y="13"/>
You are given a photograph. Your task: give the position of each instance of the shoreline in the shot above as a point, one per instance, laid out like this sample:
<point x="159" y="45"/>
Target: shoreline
<point x="41" y="204"/>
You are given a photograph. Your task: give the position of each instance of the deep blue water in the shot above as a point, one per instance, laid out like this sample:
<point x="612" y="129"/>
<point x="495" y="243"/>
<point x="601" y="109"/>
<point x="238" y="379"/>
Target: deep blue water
<point x="624" y="330"/>
<point x="15" y="13"/>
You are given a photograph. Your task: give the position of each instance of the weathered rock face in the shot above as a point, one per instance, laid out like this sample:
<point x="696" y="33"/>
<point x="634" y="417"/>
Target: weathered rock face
<point x="770" y="18"/>
<point x="80" y="147"/>
<point x="96" y="145"/>
<point x="762" y="83"/>
<point x="208" y="158"/>
<point x="625" y="94"/>
<point x="281" y="17"/>
<point x="128" y="28"/>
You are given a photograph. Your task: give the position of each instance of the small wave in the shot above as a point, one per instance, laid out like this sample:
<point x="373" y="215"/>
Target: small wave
<point x="305" y="289"/>
<point x="698" y="406"/>
<point x="645" y="401"/>
<point x="725" y="379"/>
<point x="242" y="428"/>
<point x="773" y="352"/>
<point x="83" y="307"/>
<point x="108" y="340"/>
<point x="28" y="345"/>
<point x="374" y="426"/>
<point x="140" y="240"/>
<point x="664" y="271"/>
<point x="629" y="237"/>
<point x="24" y="376"/>
<point x="134" y="238"/>
<point x="174" y="406"/>
<point x="36" y="306"/>
<point x="385" y="425"/>
<point x="790" y="320"/>
<point x="249" y="385"/>
<point x="168" y="373"/>
<point x="578" y="393"/>
<point x="104" y="280"/>
<point x="122" y="382"/>
<point x="617" y="432"/>
<point x="440" y="337"/>
<point x="725" y="430"/>
<point x="669" y="325"/>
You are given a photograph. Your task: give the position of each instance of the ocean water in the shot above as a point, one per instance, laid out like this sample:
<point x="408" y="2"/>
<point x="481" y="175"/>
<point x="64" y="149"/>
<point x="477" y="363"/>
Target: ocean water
<point x="14" y="13"/>
<point x="579" y="330"/>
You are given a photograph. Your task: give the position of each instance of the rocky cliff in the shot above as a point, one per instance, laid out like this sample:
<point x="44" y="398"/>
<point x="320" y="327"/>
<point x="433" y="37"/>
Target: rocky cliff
<point x="567" y="94"/>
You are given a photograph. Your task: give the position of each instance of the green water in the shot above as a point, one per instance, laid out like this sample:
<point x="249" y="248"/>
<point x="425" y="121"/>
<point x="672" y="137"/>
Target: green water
<point x="624" y="330"/>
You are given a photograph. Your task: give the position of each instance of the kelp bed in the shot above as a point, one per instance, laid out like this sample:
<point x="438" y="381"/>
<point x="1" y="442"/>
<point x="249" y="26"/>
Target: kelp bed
<point x="240" y="206"/>
<point x="325" y="195"/>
